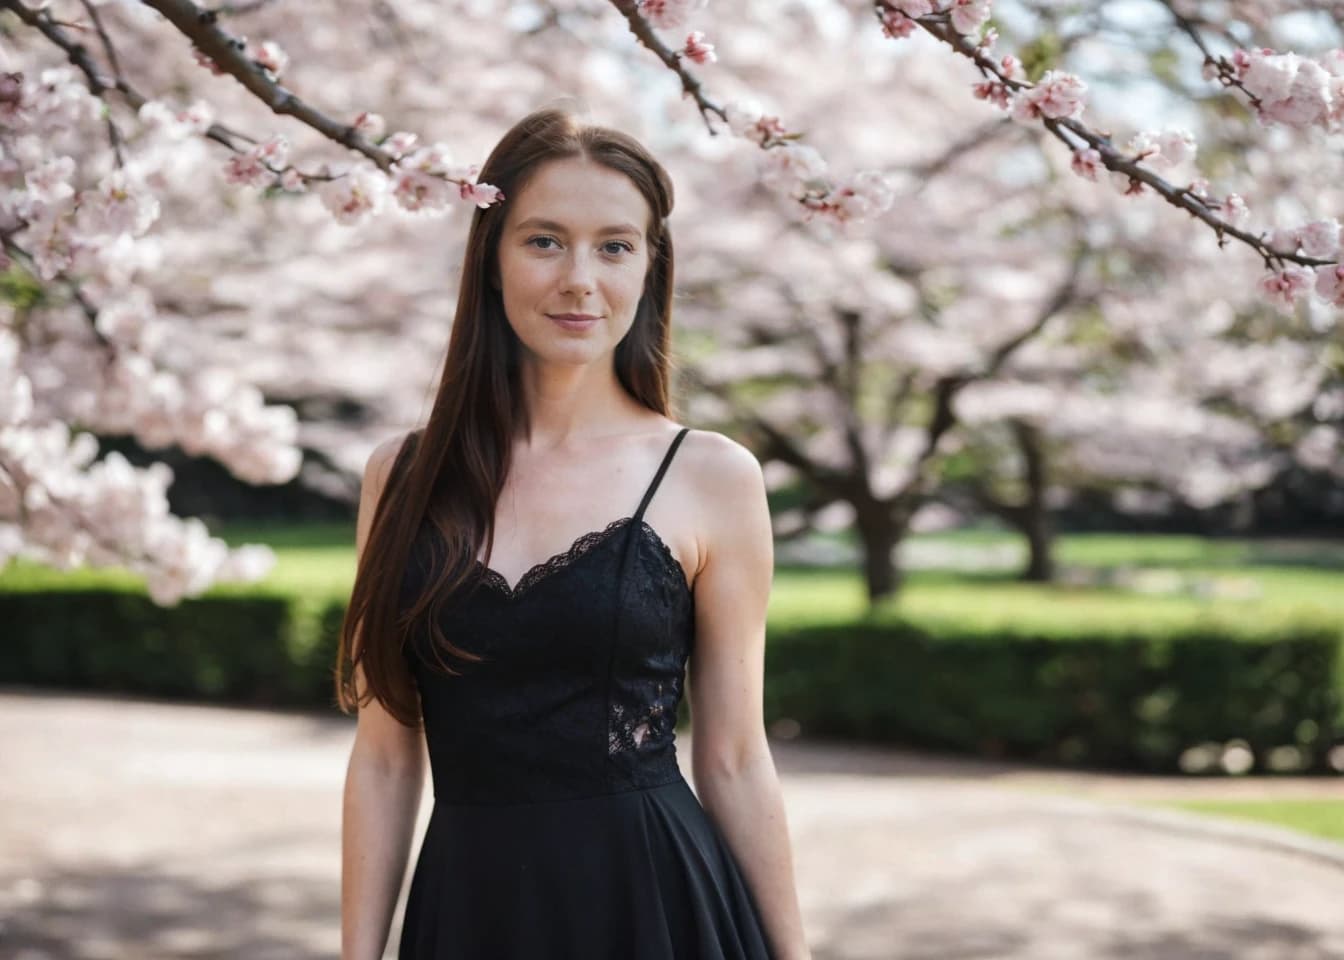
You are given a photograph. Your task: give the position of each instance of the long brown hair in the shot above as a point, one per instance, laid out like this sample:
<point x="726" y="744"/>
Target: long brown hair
<point x="452" y="469"/>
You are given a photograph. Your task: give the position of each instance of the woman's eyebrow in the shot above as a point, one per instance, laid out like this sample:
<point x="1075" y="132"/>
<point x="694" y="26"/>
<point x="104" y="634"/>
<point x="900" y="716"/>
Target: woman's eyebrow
<point x="543" y="224"/>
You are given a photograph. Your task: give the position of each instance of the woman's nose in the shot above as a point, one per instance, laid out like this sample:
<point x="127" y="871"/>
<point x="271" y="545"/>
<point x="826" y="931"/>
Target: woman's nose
<point x="578" y="272"/>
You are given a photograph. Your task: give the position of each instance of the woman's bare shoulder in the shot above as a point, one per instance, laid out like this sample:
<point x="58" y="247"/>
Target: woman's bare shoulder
<point x="718" y="461"/>
<point x="723" y="485"/>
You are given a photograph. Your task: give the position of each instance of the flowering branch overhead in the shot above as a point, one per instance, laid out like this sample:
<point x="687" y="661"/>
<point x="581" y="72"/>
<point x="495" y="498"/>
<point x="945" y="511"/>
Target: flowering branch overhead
<point x="1057" y="100"/>
<point x="791" y="167"/>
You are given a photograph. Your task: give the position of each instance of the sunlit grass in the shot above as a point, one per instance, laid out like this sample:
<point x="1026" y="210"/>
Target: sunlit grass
<point x="1321" y="818"/>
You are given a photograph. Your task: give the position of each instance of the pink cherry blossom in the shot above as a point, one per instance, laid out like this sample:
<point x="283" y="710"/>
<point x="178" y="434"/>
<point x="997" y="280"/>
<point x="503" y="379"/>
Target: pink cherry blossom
<point x="50" y="184"/>
<point x="1283" y="288"/>
<point x="273" y="151"/>
<point x="177" y="124"/>
<point x="1284" y="240"/>
<point x="1308" y="100"/>
<point x="52" y="245"/>
<point x="791" y="162"/>
<point x="866" y="195"/>
<point x="481" y="194"/>
<point x="293" y="181"/>
<point x="414" y="189"/>
<point x="969" y="15"/>
<point x="896" y="24"/>
<point x="370" y="125"/>
<point x="1330" y="284"/>
<point x="1236" y="211"/>
<point x="1011" y="68"/>
<point x="1320" y="238"/>
<point x="198" y="117"/>
<point x="1087" y="163"/>
<point x="247" y="169"/>
<point x="747" y="121"/>
<point x="1143" y="146"/>
<point x="1267" y="75"/>
<point x="1175" y="147"/>
<point x="993" y="91"/>
<point x="121" y="204"/>
<point x="270" y="57"/>
<point x="1057" y="96"/>
<point x="428" y="179"/>
<point x="697" y="49"/>
<point x="130" y="320"/>
<point x="354" y="196"/>
<point x="400" y="143"/>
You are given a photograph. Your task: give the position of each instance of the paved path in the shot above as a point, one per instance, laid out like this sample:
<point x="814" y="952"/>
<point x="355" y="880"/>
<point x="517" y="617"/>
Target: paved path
<point x="131" y="829"/>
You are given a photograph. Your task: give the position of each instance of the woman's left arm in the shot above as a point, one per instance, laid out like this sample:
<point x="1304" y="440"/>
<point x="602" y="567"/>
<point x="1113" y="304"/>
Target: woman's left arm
<point x="734" y="773"/>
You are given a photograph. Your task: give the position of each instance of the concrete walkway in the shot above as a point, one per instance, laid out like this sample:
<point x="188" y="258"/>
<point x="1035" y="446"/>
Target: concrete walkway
<point x="132" y="829"/>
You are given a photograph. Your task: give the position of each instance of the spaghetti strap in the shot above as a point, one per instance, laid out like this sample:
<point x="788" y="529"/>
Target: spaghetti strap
<point x="658" y="477"/>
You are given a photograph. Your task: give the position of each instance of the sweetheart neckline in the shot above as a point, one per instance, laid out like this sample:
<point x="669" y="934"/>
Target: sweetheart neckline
<point x="580" y="546"/>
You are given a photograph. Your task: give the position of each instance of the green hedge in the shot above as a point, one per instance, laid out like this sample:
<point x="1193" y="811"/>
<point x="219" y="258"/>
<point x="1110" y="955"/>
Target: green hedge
<point x="254" y="649"/>
<point x="1114" y="701"/>
<point x="1126" y="701"/>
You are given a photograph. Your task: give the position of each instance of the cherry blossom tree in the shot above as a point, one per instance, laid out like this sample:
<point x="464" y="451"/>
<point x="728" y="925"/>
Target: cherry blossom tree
<point x="862" y="377"/>
<point x="132" y="311"/>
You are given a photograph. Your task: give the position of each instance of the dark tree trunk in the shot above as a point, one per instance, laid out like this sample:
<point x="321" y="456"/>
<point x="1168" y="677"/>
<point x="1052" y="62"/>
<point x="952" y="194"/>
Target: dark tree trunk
<point x="880" y="534"/>
<point x="1033" y="515"/>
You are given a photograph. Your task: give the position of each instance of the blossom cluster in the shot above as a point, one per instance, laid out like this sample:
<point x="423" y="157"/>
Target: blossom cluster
<point x="91" y="361"/>
<point x="799" y="169"/>
<point x="1287" y="88"/>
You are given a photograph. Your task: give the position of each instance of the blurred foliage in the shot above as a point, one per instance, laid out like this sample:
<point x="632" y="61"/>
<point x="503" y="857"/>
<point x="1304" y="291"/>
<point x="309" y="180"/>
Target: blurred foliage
<point x="1041" y="53"/>
<point x="1134" y="701"/>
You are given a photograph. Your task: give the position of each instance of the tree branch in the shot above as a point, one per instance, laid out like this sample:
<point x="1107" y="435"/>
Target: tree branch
<point x="689" y="84"/>
<point x="199" y="26"/>
<point x="939" y="26"/>
<point x="78" y="55"/>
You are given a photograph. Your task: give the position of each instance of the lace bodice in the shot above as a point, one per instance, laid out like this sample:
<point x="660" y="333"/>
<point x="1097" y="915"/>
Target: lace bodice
<point x="583" y="673"/>
<point x="564" y="558"/>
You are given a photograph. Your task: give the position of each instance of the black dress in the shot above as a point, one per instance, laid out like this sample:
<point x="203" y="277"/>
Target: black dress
<point x="562" y="828"/>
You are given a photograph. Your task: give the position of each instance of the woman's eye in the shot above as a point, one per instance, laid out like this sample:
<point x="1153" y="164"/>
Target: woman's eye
<point x="621" y="244"/>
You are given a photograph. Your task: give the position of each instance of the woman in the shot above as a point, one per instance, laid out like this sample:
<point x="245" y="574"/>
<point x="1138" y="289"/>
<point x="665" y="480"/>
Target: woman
<point x="548" y="691"/>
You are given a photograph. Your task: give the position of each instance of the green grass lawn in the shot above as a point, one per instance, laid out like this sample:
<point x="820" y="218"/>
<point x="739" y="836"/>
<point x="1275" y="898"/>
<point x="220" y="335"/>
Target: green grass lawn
<point x="1295" y="580"/>
<point x="1321" y="818"/>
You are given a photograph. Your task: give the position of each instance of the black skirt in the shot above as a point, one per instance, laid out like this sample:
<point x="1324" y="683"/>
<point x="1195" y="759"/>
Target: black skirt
<point x="638" y="875"/>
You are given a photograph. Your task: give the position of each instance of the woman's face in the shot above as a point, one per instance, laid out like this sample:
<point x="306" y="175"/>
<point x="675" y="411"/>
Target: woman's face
<point x="573" y="242"/>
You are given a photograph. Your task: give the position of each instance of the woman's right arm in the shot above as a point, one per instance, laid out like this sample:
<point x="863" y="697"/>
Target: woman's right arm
<point x="383" y="784"/>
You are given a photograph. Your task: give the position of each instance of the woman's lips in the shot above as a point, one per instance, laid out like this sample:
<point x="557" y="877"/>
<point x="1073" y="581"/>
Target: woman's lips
<point x="574" y="321"/>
